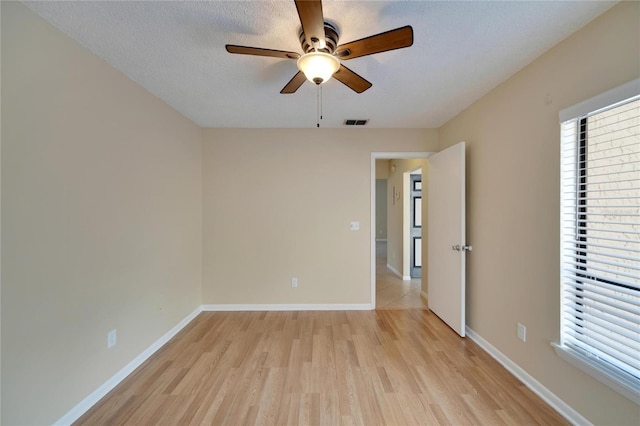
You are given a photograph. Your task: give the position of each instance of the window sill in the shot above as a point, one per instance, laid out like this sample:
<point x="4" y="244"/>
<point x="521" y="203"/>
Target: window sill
<point x="626" y="386"/>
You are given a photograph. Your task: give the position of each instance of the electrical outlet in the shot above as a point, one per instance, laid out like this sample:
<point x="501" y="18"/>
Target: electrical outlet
<point x="111" y="339"/>
<point x="522" y="332"/>
<point x="294" y="282"/>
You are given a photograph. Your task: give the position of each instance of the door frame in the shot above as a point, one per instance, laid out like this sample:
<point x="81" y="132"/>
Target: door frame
<point x="372" y="237"/>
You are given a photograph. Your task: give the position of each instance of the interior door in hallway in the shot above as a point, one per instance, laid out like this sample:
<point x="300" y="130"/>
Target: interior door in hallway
<point x="446" y="236"/>
<point x="415" y="231"/>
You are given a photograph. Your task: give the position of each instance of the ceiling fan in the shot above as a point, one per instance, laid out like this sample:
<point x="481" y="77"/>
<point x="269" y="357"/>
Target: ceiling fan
<point x="323" y="54"/>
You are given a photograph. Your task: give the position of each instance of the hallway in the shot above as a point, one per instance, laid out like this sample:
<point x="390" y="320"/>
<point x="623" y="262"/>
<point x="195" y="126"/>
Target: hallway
<point x="391" y="291"/>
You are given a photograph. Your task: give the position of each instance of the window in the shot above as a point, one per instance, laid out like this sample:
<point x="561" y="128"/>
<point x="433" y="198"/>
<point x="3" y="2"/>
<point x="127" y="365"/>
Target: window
<point x="600" y="240"/>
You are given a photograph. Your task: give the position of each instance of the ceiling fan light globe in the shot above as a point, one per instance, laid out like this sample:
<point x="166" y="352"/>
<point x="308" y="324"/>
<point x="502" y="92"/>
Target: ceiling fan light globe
<point x="318" y="67"/>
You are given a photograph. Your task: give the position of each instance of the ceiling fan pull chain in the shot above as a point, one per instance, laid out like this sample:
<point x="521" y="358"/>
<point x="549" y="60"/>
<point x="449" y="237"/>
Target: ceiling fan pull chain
<point x="318" y="106"/>
<point x="320" y="87"/>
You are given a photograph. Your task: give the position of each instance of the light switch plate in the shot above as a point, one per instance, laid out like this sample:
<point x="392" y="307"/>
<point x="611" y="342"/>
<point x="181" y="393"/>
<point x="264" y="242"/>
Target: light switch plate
<point x="355" y="226"/>
<point x="111" y="339"/>
<point x="522" y="332"/>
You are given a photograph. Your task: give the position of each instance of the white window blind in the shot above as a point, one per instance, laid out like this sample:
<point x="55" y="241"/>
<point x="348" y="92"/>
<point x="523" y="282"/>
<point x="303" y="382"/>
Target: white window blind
<point x="600" y="241"/>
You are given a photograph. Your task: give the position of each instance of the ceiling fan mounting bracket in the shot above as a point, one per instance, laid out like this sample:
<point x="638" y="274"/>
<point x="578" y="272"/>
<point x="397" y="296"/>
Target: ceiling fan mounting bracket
<point x="330" y="43"/>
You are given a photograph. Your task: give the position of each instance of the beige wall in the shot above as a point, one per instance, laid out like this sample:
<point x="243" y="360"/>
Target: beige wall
<point x="512" y="137"/>
<point x="101" y="219"/>
<point x="277" y="205"/>
<point x="382" y="176"/>
<point x="381" y="209"/>
<point x="382" y="169"/>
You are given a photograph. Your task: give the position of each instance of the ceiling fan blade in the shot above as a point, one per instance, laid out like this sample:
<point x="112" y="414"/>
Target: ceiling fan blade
<point x="390" y="40"/>
<point x="294" y="84"/>
<point x="351" y="79"/>
<point x="312" y="20"/>
<point x="244" y="50"/>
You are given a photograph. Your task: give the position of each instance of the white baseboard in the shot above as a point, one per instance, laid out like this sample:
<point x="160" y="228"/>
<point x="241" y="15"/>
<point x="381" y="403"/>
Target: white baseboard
<point x="95" y="396"/>
<point x="549" y="397"/>
<point x="288" y="307"/>
<point x="395" y="271"/>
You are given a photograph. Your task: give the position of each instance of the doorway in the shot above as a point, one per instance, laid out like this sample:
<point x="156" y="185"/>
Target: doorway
<point x="393" y="265"/>
<point x="392" y="292"/>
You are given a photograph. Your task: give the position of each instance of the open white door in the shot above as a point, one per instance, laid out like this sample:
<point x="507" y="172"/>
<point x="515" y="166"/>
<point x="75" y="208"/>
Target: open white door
<point x="446" y="236"/>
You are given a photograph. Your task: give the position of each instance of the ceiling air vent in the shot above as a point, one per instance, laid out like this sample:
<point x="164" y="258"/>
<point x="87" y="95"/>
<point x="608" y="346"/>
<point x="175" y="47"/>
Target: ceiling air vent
<point x="355" y="122"/>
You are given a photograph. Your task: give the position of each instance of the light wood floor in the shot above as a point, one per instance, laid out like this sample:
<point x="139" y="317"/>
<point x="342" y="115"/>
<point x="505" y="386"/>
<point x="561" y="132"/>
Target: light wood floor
<point x="391" y="291"/>
<point x="386" y="367"/>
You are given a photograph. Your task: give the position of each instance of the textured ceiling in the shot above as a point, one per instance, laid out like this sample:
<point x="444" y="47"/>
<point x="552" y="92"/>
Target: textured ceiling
<point x="176" y="50"/>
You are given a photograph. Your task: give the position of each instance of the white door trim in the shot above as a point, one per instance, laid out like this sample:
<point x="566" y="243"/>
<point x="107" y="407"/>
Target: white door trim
<point x="383" y="156"/>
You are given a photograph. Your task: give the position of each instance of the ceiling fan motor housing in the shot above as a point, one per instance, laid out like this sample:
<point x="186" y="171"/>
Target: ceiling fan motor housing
<point x="330" y="42"/>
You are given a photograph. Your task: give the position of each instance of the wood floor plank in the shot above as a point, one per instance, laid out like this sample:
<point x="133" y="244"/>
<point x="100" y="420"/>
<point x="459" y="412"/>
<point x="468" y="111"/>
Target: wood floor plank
<point x="398" y="367"/>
